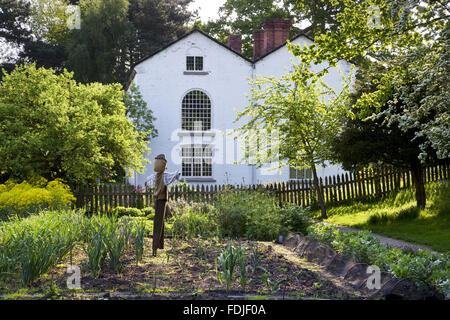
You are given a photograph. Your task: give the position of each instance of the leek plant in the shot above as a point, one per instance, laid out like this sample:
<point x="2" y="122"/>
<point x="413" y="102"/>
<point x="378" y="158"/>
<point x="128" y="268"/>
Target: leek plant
<point x="117" y="236"/>
<point x="96" y="251"/>
<point x="30" y="247"/>
<point x="139" y="240"/>
<point x="227" y="260"/>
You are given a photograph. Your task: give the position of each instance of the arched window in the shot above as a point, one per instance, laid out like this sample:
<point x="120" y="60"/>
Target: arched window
<point x="196" y="111"/>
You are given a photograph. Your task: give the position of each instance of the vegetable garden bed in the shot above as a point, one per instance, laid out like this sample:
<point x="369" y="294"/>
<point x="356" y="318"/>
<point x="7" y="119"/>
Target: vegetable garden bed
<point x="190" y="272"/>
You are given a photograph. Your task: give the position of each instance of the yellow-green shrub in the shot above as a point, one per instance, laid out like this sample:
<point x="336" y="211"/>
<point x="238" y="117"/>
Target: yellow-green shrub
<point x="35" y="194"/>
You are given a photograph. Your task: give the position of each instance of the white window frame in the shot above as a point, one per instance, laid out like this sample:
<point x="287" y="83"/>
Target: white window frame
<point x="185" y="110"/>
<point x="197" y="157"/>
<point x="195" y="69"/>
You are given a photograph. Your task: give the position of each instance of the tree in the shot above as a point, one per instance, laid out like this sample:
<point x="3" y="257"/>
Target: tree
<point x="375" y="141"/>
<point x="417" y="34"/>
<point x="321" y="14"/>
<point x="54" y="127"/>
<point x="138" y="113"/>
<point x="155" y="24"/>
<point x="305" y="114"/>
<point x="33" y="32"/>
<point x="97" y="52"/>
<point x="244" y="16"/>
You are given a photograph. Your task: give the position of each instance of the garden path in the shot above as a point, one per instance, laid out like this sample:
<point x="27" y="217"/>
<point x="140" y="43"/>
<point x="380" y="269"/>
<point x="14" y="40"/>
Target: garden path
<point x="391" y="242"/>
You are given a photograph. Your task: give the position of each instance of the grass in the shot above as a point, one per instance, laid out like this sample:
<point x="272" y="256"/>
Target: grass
<point x="397" y="216"/>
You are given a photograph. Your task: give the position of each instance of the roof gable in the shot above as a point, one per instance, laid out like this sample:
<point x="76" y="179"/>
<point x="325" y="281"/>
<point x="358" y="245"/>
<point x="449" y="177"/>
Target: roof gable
<point x="185" y="36"/>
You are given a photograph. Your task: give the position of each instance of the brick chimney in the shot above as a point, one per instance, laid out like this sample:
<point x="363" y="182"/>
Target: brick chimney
<point x="258" y="43"/>
<point x="275" y="32"/>
<point x="235" y="42"/>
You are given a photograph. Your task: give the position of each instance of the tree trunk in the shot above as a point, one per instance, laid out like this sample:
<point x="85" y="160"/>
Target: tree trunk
<point x="319" y="194"/>
<point x="417" y="175"/>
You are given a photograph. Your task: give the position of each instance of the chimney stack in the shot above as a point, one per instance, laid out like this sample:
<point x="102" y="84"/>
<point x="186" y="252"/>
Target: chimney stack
<point x="258" y="43"/>
<point x="275" y="32"/>
<point x="235" y="42"/>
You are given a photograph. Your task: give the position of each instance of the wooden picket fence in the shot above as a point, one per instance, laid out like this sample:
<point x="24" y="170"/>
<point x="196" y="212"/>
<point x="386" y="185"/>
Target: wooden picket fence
<point x="361" y="185"/>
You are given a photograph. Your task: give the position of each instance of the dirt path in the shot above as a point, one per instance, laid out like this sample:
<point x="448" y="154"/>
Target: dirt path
<point x="391" y="242"/>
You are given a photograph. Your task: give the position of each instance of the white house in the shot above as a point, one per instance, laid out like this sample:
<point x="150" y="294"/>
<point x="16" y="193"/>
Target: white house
<point x="194" y="86"/>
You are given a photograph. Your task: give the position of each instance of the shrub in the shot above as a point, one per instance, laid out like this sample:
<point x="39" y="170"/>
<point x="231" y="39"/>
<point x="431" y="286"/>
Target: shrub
<point x="264" y="225"/>
<point x="189" y="224"/>
<point x="251" y="214"/>
<point x="34" y="195"/>
<point x="149" y="212"/>
<point x="131" y="212"/>
<point x="295" y="219"/>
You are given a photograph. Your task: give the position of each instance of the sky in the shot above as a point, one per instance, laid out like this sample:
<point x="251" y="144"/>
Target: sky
<point x="208" y="8"/>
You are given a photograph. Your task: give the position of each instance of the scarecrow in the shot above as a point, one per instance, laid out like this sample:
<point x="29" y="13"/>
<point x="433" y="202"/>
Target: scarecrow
<point x="160" y="181"/>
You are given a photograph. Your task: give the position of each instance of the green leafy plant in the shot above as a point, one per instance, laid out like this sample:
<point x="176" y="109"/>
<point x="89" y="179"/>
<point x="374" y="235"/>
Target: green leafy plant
<point x="272" y="286"/>
<point x="96" y="250"/>
<point x="33" y="195"/>
<point x="424" y="267"/>
<point x="117" y="238"/>
<point x="139" y="241"/>
<point x="188" y="223"/>
<point x="227" y="261"/>
<point x="295" y="218"/>
<point x="149" y="212"/>
<point x="132" y="212"/>
<point x="254" y="258"/>
<point x="242" y="262"/>
<point x="251" y="214"/>
<point x="173" y="251"/>
<point x="30" y="247"/>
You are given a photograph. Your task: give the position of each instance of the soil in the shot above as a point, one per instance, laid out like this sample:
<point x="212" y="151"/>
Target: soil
<point x="188" y="270"/>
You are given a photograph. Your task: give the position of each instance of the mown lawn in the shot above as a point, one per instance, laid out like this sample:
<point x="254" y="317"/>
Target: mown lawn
<point x="397" y="217"/>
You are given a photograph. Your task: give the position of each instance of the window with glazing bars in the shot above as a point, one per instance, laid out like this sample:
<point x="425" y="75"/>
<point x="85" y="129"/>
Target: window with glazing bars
<point x="194" y="63"/>
<point x="196" y="160"/>
<point x="196" y="111"/>
<point x="300" y="174"/>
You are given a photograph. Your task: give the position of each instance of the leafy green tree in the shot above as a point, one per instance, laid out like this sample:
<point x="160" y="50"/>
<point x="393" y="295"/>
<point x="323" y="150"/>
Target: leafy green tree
<point x="320" y="14"/>
<point x="374" y="141"/>
<point x="54" y="127"/>
<point x="303" y="112"/>
<point x="30" y="34"/>
<point x="49" y="20"/>
<point x="138" y="113"/>
<point x="244" y="16"/>
<point x="156" y="23"/>
<point x="415" y="34"/>
<point x="97" y="52"/>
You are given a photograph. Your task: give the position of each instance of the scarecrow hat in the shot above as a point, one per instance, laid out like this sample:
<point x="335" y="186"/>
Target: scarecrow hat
<point x="161" y="156"/>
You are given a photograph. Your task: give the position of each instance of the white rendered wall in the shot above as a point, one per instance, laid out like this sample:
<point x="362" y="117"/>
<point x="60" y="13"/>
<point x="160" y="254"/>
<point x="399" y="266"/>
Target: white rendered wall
<point x="163" y="85"/>
<point x="277" y="64"/>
